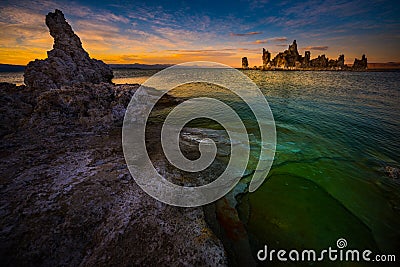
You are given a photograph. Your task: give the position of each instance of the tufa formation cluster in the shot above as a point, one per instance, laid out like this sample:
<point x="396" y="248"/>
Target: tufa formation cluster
<point x="290" y="59"/>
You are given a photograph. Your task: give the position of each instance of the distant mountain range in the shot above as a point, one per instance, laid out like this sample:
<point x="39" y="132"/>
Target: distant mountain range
<point x="140" y="66"/>
<point x="11" y="68"/>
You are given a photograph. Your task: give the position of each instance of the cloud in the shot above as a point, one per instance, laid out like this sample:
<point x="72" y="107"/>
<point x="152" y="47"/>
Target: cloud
<point x="319" y="48"/>
<point x="245" y="34"/>
<point x="207" y="52"/>
<point x="256" y="42"/>
<point x="278" y="39"/>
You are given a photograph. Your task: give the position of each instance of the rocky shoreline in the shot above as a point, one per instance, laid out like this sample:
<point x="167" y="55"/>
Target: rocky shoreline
<point x="67" y="195"/>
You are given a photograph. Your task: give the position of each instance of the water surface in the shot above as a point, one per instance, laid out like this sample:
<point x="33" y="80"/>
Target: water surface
<point x="337" y="132"/>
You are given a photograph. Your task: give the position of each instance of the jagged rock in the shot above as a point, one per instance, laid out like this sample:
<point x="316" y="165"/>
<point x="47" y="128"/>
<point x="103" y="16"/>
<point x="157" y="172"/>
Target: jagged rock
<point x="290" y="58"/>
<point x="67" y="196"/>
<point x="68" y="63"/>
<point x="340" y="61"/>
<point x="293" y="54"/>
<point x="360" y="64"/>
<point x="245" y="63"/>
<point x="16" y="105"/>
<point x="319" y="62"/>
<point x="307" y="59"/>
<point x="266" y="58"/>
<point x="280" y="61"/>
<point x="392" y="172"/>
<point x="69" y="200"/>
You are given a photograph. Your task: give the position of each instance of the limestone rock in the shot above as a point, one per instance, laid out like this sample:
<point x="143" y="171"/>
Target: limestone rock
<point x="245" y="63"/>
<point x="320" y="62"/>
<point x="266" y="58"/>
<point x="68" y="63"/>
<point x="360" y="64"/>
<point x="69" y="200"/>
<point x="16" y="105"/>
<point x="340" y="61"/>
<point x="307" y="59"/>
<point x="392" y="172"/>
<point x="280" y="61"/>
<point x="290" y="58"/>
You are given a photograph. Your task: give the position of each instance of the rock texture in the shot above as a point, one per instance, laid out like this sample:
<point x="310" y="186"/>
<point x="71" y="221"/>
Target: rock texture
<point x="266" y="59"/>
<point x="360" y="64"/>
<point x="245" y="63"/>
<point x="67" y="197"/>
<point x="290" y="59"/>
<point x="68" y="63"/>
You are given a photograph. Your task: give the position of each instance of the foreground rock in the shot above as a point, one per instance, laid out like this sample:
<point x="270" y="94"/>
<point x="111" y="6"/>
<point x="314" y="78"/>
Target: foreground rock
<point x="67" y="197"/>
<point x="68" y="63"/>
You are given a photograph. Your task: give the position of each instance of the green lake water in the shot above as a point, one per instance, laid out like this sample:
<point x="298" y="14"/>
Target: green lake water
<point x="336" y="134"/>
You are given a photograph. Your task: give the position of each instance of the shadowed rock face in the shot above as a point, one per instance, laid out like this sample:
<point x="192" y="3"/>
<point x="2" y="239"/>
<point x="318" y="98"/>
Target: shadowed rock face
<point x="360" y="64"/>
<point x="67" y="196"/>
<point x="68" y="63"/>
<point x="245" y="63"/>
<point x="290" y="59"/>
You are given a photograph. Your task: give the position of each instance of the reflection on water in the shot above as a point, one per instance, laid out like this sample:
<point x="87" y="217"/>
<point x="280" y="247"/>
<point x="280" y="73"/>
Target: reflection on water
<point x="132" y="76"/>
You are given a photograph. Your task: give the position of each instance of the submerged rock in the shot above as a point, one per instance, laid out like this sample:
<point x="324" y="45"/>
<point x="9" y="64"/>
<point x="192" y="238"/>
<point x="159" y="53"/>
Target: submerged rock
<point x="68" y="63"/>
<point x="392" y="172"/>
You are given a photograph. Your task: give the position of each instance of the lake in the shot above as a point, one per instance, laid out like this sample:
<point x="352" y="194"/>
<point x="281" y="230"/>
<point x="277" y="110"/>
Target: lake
<point x="337" y="140"/>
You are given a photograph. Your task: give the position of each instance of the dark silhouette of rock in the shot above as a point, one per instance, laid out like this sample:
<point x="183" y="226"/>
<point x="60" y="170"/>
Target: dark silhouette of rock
<point x="360" y="64"/>
<point x="290" y="59"/>
<point x="280" y="61"/>
<point x="307" y="59"/>
<point x="266" y="58"/>
<point x="245" y="63"/>
<point x="292" y="55"/>
<point x="340" y="61"/>
<point x="319" y="62"/>
<point x="68" y="63"/>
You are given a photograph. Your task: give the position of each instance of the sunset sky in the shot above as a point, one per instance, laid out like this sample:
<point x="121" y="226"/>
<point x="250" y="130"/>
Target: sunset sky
<point x="152" y="32"/>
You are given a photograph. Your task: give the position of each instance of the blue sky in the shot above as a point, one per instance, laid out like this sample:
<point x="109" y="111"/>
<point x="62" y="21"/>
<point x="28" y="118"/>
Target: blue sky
<point x="224" y="31"/>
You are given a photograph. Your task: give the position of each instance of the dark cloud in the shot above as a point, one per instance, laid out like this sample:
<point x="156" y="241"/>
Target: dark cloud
<point x="245" y="34"/>
<point x="320" y="48"/>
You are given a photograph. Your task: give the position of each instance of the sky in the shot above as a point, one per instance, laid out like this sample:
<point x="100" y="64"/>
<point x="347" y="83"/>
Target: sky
<point x="169" y="32"/>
